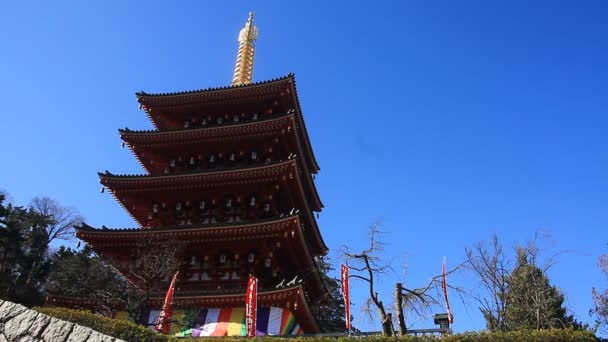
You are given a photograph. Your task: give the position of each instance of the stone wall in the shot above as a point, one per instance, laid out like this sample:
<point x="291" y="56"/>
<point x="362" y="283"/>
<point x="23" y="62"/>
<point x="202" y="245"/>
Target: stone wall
<point x="18" y="323"/>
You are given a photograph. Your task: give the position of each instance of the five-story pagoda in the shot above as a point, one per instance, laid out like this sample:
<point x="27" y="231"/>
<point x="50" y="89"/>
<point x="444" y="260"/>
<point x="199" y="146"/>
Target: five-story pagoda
<point x="229" y="174"/>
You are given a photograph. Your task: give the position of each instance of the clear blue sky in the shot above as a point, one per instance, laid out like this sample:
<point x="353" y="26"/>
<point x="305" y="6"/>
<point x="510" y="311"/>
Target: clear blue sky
<point x="449" y="120"/>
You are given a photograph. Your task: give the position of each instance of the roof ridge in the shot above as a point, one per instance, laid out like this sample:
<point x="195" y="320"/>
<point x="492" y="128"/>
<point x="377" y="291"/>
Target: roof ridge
<point x="188" y="92"/>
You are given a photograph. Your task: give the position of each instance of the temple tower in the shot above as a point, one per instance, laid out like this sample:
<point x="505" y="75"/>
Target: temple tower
<point x="229" y="173"/>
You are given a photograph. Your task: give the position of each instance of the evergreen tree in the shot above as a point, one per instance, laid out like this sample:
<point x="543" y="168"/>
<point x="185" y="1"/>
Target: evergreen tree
<point x="82" y="274"/>
<point x="330" y="311"/>
<point x="23" y="247"/>
<point x="533" y="303"/>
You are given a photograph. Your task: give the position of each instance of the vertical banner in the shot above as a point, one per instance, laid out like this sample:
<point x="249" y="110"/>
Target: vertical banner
<point x="444" y="285"/>
<point x="345" y="293"/>
<point x="251" y="303"/>
<point x="164" y="317"/>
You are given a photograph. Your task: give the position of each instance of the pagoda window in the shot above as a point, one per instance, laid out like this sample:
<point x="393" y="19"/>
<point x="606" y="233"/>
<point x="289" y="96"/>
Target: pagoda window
<point x="212" y="159"/>
<point x="267" y="262"/>
<point x="178" y="206"/>
<point x="172" y="163"/>
<point x="252" y="201"/>
<point x="254" y="116"/>
<point x="186" y="123"/>
<point x="202" y="205"/>
<point x="220" y="120"/>
<point x="155" y="208"/>
<point x="194" y="277"/>
<point x="192" y="161"/>
<point x="204" y="122"/>
<point x="235" y="118"/>
<point x="223" y="258"/>
<point x="251" y="257"/>
<point x="254" y="155"/>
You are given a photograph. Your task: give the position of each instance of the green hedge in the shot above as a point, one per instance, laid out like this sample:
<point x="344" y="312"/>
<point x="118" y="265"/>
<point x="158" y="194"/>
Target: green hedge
<point x="554" y="335"/>
<point x="130" y="331"/>
<point x="122" y="329"/>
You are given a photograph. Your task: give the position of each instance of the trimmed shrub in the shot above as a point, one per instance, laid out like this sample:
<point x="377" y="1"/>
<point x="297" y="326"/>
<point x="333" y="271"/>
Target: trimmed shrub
<point x="121" y="329"/>
<point x="553" y="335"/>
<point x="130" y="331"/>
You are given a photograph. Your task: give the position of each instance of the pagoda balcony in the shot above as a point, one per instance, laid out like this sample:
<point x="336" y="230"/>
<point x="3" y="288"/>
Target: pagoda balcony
<point x="173" y="110"/>
<point x="280" y="250"/>
<point x="138" y="193"/>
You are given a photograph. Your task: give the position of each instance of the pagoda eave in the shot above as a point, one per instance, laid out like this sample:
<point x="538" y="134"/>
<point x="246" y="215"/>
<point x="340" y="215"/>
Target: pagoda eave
<point x="200" y="180"/>
<point x="208" y="134"/>
<point x="269" y="87"/>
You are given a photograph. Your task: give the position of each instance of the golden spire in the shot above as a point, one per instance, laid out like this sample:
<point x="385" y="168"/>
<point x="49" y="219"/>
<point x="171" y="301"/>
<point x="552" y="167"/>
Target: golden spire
<point x="243" y="70"/>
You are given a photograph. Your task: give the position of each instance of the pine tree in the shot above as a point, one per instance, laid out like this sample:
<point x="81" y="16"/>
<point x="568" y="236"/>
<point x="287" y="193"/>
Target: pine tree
<point x="23" y="247"/>
<point x="533" y="303"/>
<point x="330" y="311"/>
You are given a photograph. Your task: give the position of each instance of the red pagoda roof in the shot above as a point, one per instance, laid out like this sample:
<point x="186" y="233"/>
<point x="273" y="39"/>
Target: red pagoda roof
<point x="209" y="134"/>
<point x="287" y="228"/>
<point x="171" y="102"/>
<point x="271" y="173"/>
<point x="230" y="131"/>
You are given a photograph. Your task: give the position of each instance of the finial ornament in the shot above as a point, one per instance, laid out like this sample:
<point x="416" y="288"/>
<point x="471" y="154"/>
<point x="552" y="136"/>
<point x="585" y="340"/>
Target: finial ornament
<point x="243" y="70"/>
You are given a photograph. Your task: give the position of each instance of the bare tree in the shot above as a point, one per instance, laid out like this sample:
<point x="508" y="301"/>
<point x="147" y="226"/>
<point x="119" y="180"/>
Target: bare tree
<point x="369" y="264"/>
<point x="420" y="300"/>
<point x="600" y="299"/>
<point x="152" y="261"/>
<point x="493" y="269"/>
<point x="61" y="219"/>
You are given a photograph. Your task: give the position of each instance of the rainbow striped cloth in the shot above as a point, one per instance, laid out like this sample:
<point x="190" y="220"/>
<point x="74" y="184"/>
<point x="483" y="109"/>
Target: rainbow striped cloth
<point x="202" y="322"/>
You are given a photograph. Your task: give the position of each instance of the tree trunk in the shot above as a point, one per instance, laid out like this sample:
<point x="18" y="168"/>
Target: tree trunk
<point x="399" y="309"/>
<point x="385" y="319"/>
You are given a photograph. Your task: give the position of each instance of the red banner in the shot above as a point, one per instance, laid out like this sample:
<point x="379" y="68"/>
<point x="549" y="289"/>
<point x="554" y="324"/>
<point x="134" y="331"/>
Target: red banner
<point x="345" y="293"/>
<point x="164" y="317"/>
<point x="251" y="306"/>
